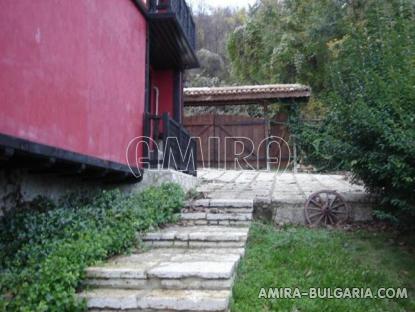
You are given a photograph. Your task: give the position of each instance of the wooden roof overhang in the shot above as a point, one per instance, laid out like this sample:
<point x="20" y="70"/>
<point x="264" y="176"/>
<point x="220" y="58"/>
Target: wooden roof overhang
<point x="246" y="95"/>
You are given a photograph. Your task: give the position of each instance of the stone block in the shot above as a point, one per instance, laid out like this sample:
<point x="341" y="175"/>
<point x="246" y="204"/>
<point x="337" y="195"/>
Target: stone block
<point x="196" y="269"/>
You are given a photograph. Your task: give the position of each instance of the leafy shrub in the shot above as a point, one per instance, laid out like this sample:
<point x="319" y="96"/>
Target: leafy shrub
<point x="359" y="58"/>
<point x="374" y="101"/>
<point x="318" y="147"/>
<point x="370" y="124"/>
<point x="43" y="253"/>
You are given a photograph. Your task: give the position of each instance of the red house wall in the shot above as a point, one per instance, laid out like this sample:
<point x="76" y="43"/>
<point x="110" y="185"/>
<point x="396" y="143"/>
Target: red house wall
<point x="72" y="74"/>
<point x="164" y="81"/>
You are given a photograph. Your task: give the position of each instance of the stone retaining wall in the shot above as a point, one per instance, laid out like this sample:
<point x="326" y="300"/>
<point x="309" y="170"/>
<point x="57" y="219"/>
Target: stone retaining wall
<point x="282" y="213"/>
<point x="18" y="186"/>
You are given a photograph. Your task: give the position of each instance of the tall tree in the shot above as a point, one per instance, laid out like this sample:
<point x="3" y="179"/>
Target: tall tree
<point x="286" y="41"/>
<point x="213" y="26"/>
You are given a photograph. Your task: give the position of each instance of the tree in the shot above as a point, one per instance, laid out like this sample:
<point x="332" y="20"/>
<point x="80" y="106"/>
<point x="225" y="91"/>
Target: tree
<point x="213" y="28"/>
<point x="285" y="42"/>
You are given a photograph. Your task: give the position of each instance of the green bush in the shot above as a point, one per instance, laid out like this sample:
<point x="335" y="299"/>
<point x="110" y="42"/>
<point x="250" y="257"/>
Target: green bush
<point x="374" y="103"/>
<point x="318" y="147"/>
<point x="43" y="252"/>
<point x="370" y="124"/>
<point x="359" y="58"/>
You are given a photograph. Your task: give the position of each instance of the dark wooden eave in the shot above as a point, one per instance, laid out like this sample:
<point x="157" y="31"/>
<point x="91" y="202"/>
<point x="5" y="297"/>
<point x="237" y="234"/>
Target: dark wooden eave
<point x="169" y="45"/>
<point x="38" y="158"/>
<point x="140" y="6"/>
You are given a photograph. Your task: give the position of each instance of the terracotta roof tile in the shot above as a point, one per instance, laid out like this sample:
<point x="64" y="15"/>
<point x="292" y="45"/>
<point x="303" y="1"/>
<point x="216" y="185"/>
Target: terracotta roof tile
<point x="243" y="94"/>
<point x="276" y="88"/>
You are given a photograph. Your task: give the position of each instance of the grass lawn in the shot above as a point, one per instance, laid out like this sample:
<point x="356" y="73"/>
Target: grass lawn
<point x="305" y="258"/>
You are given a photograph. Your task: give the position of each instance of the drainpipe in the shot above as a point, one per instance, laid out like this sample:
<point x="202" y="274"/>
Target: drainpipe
<point x="157" y="100"/>
<point x="159" y="143"/>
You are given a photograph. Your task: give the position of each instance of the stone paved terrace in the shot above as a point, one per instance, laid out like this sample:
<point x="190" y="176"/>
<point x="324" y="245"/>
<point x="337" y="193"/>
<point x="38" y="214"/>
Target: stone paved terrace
<point x="281" y="196"/>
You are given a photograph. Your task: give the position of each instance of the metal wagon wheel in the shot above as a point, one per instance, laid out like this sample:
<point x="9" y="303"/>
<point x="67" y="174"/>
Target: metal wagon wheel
<point x="326" y="207"/>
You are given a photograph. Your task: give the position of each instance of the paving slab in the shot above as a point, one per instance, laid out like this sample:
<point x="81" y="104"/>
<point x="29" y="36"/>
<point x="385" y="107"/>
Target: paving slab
<point x="137" y="265"/>
<point x="233" y="223"/>
<point x="234" y="216"/>
<point x="157" y="300"/>
<point x="229" y="176"/>
<point x="168" y="269"/>
<point x="199" y="233"/>
<point x="197" y="269"/>
<point x="203" y="209"/>
<point x="229" y="216"/>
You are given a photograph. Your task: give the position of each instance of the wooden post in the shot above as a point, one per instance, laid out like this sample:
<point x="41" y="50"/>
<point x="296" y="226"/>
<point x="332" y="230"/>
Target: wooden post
<point x="166" y="134"/>
<point x="267" y="147"/>
<point x="295" y="169"/>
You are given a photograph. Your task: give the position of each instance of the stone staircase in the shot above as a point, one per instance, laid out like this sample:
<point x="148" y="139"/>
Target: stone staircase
<point x="199" y="236"/>
<point x="218" y="212"/>
<point x="188" y="267"/>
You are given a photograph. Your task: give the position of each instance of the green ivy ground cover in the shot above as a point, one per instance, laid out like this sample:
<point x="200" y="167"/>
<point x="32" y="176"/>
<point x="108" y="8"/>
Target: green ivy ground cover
<point x="44" y="251"/>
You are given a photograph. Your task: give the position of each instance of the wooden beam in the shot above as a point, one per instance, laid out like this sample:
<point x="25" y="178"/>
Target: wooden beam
<point x="240" y="102"/>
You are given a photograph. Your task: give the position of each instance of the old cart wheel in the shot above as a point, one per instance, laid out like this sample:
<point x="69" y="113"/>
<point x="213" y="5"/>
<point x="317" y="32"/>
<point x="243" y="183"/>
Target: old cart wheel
<point x="326" y="207"/>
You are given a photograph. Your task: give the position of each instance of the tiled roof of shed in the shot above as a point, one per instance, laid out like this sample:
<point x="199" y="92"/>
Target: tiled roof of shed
<point x="276" y="88"/>
<point x="242" y="95"/>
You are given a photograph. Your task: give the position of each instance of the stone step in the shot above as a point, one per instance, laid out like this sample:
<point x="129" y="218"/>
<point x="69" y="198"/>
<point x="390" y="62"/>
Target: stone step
<point x="169" y="268"/>
<point x="229" y="223"/>
<point x="156" y="300"/>
<point x="221" y="203"/>
<point x="216" y="210"/>
<point x="216" y="216"/>
<point x="230" y="212"/>
<point x="222" y="218"/>
<point x="198" y="237"/>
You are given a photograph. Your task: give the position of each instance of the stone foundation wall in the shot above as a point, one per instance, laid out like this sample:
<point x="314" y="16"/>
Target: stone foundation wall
<point x="158" y="177"/>
<point x="18" y="186"/>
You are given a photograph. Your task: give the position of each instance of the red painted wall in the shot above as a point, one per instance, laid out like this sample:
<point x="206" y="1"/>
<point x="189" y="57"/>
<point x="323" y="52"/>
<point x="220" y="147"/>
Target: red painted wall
<point x="164" y="81"/>
<point x="72" y="74"/>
